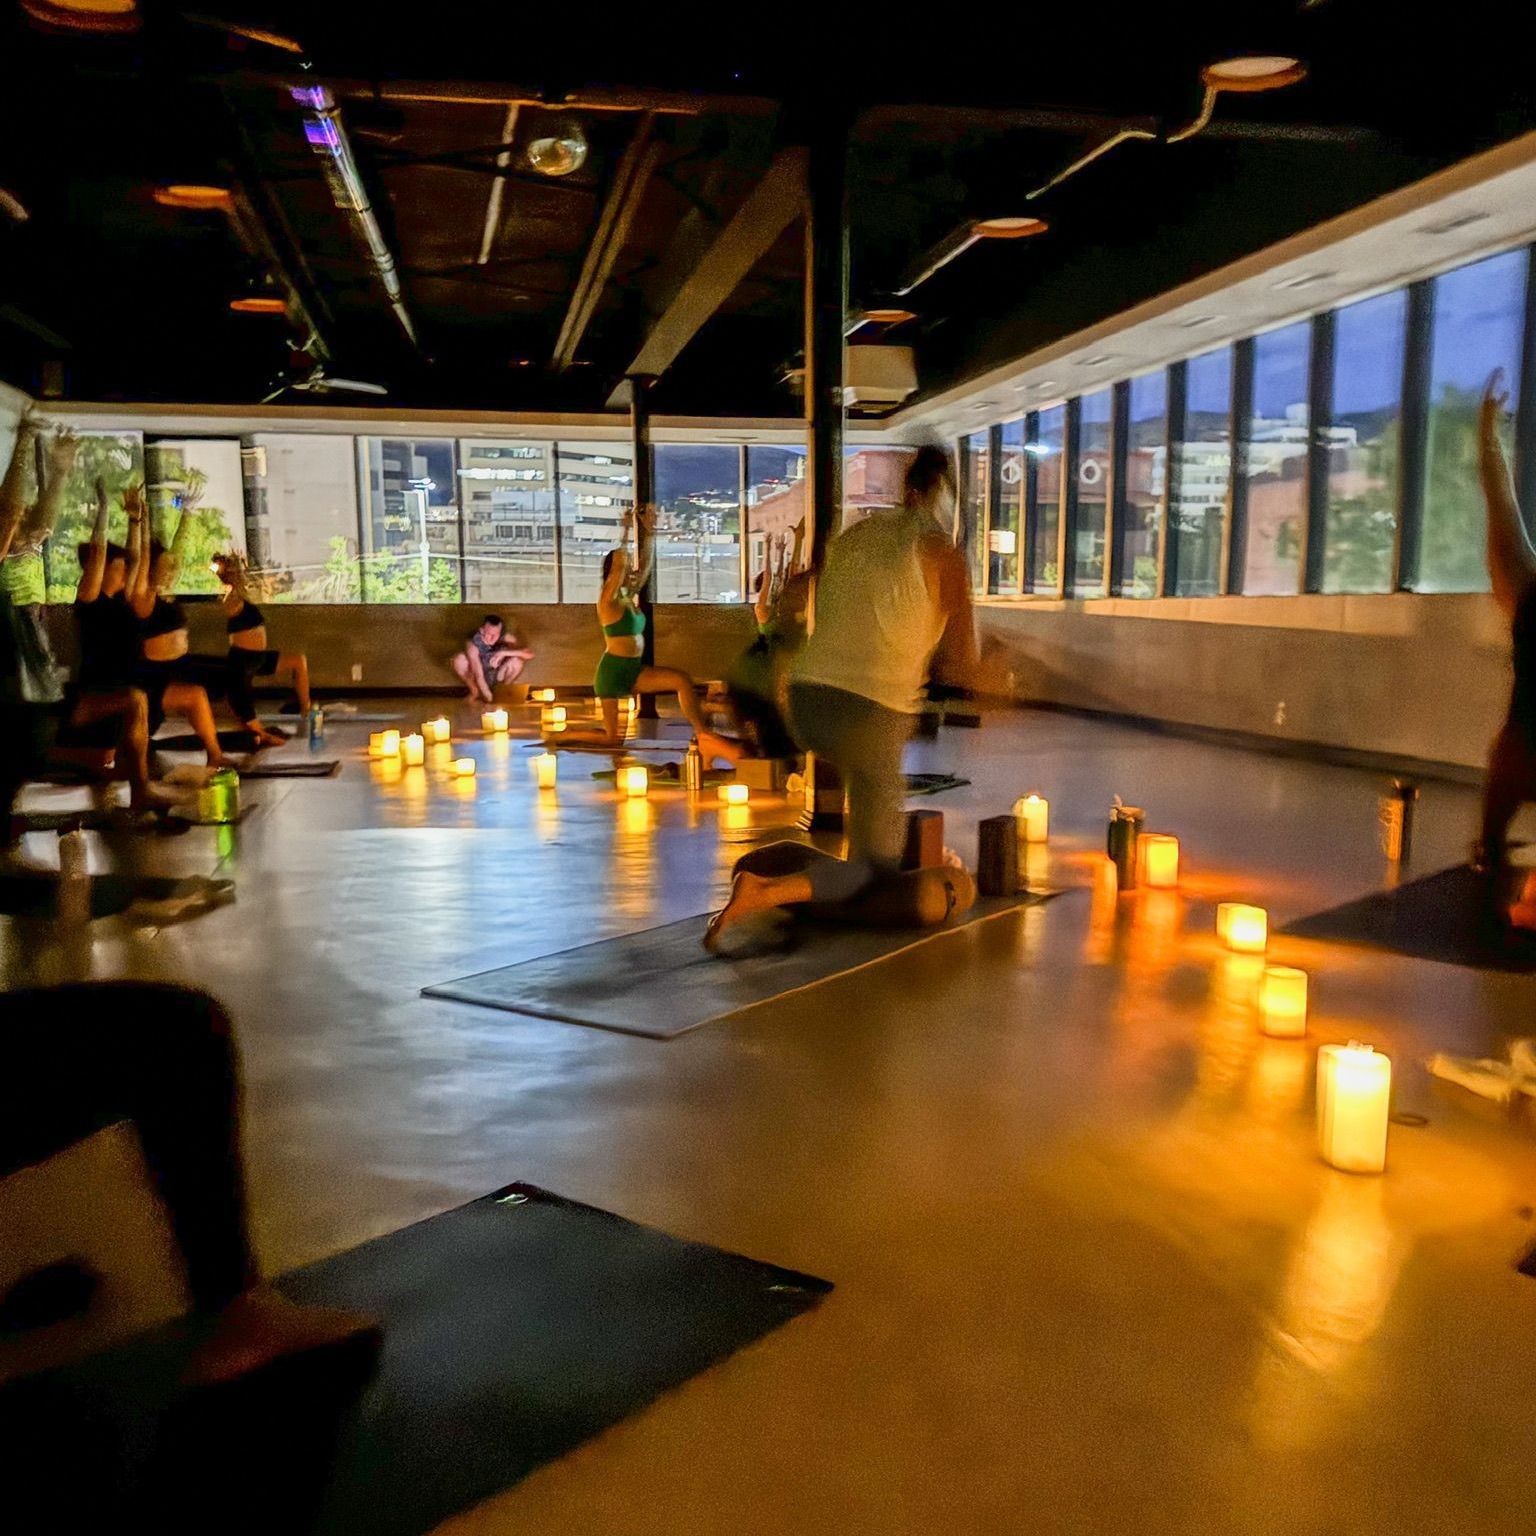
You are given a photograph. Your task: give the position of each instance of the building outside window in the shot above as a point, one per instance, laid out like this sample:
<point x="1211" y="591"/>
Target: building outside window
<point x="1359" y="530"/>
<point x="507" y="496"/>
<point x="1004" y="539"/>
<point x="117" y="458"/>
<point x="1275" y="461"/>
<point x="976" y="465"/>
<point x="200" y="475"/>
<point x="698" y="529"/>
<point x="1092" y="469"/>
<point x="1146" y="474"/>
<point x="596" y="485"/>
<point x="410" y="520"/>
<point x="1478" y="318"/>
<point x="1202" y="476"/>
<point x="1049" y="450"/>
<point x="301" y="517"/>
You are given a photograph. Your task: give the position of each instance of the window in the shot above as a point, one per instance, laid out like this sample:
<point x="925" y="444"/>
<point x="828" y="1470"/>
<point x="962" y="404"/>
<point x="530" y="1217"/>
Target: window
<point x="507" y="501"/>
<point x="776" y="503"/>
<point x="698" y="526"/>
<point x="410" y="520"/>
<point x="1091" y="466"/>
<point x="203" y="474"/>
<point x="1003" y="538"/>
<point x="301" y="517"/>
<point x="1275" y="460"/>
<point x="1478" y="312"/>
<point x="1362" y="440"/>
<point x="1202" y="477"/>
<point x="117" y="458"/>
<point x="1145" y="467"/>
<point x="596" y="486"/>
<point x="976" y="466"/>
<point x="1049" y="451"/>
<point x="873" y="481"/>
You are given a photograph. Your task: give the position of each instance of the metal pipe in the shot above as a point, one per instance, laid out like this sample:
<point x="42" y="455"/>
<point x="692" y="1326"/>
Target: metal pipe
<point x="498" y="187"/>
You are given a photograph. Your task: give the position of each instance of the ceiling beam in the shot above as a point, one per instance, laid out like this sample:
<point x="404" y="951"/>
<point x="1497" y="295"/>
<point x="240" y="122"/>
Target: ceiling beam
<point x="770" y="208"/>
<point x="630" y="180"/>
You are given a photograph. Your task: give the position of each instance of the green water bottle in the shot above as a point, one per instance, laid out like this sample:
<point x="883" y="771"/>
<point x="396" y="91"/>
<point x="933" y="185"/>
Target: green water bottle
<point x="218" y="801"/>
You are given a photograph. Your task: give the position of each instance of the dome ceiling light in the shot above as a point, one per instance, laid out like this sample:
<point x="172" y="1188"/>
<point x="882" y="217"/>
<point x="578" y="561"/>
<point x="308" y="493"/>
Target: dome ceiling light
<point x="557" y="149"/>
<point x="99" y="16"/>
<point x="961" y="239"/>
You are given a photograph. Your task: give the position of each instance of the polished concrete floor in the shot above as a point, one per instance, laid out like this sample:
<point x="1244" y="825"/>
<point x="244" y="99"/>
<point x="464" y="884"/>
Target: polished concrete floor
<point x="1091" y="1276"/>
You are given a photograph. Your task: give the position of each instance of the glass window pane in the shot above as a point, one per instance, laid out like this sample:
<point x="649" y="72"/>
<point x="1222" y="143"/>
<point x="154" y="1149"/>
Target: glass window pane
<point x="410" y="520"/>
<point x="1093" y="447"/>
<point x="1146" y="471"/>
<point x="973" y="501"/>
<point x="1003" y="540"/>
<point x="698" y="527"/>
<point x="203" y="474"/>
<point x="1203" y="475"/>
<point x="1049" y="450"/>
<point x="596" y="482"/>
<point x="1360" y="523"/>
<point x="301" y="516"/>
<point x="873" y="479"/>
<point x="1478" y="316"/>
<point x="1275" y="463"/>
<point x="507" y="492"/>
<point x="775" y="500"/>
<point x="118" y="459"/>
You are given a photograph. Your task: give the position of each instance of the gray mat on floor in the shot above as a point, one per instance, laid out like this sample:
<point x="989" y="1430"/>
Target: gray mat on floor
<point x="332" y="717"/>
<point x="229" y="741"/>
<point x="661" y="983"/>
<point x="933" y="783"/>
<point x="514" y="1329"/>
<point x="634" y="744"/>
<point x="307" y="768"/>
<point x="94" y="820"/>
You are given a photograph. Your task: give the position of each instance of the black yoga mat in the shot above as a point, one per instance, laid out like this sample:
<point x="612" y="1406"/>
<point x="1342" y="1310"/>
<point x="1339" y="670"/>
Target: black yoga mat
<point x="514" y="1329"/>
<point x="229" y="741"/>
<point x="661" y="982"/>
<point x="933" y="783"/>
<point x="37" y="895"/>
<point x="94" y="820"/>
<point x="1449" y="916"/>
<point x="303" y="768"/>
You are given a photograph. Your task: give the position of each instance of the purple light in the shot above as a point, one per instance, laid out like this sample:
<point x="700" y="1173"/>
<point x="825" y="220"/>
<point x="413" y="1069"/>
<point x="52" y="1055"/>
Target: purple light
<point x="313" y="96"/>
<point x="321" y="133"/>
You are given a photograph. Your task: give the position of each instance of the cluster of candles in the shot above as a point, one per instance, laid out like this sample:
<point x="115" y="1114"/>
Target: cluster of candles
<point x="391" y="746"/>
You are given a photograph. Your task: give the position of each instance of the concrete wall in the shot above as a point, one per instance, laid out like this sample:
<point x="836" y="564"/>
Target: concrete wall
<point x="1405" y="675"/>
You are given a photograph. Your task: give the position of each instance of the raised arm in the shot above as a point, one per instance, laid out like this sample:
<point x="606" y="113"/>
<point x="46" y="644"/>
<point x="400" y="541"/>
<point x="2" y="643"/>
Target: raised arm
<point x="1511" y="560"/>
<point x="138" y="590"/>
<point x="94" y="566"/>
<point x="645" y="551"/>
<point x="61" y="465"/>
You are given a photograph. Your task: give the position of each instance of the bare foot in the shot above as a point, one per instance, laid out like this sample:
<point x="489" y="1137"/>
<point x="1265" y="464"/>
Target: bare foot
<point x="750" y="895"/>
<point x="261" y="1325"/>
<point x="266" y="738"/>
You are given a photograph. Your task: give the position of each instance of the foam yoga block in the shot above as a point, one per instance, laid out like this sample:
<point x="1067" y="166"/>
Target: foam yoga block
<point x="925" y="840"/>
<point x="997" y="862"/>
<point x="913" y="898"/>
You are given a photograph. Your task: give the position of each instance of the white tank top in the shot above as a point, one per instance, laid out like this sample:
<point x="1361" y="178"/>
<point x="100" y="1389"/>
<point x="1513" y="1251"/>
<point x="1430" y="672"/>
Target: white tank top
<point x="875" y="625"/>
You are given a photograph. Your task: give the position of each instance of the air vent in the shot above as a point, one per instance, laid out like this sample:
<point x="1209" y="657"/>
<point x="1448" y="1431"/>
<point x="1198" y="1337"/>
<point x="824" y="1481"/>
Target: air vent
<point x="1450" y="226"/>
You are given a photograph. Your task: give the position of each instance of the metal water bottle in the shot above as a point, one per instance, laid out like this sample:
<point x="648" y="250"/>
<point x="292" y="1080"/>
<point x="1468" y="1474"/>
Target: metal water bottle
<point x="1395" y="811"/>
<point x="74" y="879"/>
<point x="1124" y="835"/>
<point x="693" y="768"/>
<point x="316" y="725"/>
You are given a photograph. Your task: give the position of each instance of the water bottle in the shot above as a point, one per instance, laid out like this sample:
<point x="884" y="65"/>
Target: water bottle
<point x="1124" y="834"/>
<point x="74" y="879"/>
<point x="316" y="725"/>
<point x="218" y="801"/>
<point x="693" y="768"/>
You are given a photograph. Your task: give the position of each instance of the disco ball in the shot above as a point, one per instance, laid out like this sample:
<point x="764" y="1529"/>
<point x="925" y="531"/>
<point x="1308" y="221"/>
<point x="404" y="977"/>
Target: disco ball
<point x="559" y="149"/>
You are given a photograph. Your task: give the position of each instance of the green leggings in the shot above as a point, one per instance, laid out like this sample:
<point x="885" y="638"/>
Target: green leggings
<point x="617" y="675"/>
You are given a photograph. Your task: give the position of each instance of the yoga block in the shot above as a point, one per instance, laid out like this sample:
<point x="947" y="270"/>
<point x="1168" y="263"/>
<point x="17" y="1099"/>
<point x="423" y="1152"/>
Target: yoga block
<point x="967" y="719"/>
<point x="768" y="773"/>
<point x="925" y="840"/>
<point x="997" y="863"/>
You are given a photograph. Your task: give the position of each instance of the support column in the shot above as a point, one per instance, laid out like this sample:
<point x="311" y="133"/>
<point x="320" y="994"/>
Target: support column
<point x="640" y="444"/>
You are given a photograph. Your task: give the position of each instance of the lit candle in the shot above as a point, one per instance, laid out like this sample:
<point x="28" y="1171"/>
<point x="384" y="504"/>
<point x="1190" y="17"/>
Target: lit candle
<point x="384" y="744"/>
<point x="1243" y="929"/>
<point x="1159" y="855"/>
<point x="543" y="695"/>
<point x="1283" y="1002"/>
<point x="634" y="781"/>
<point x="546" y="765"/>
<point x="463" y="768"/>
<point x="436" y="730"/>
<point x="735" y="794"/>
<point x="554" y="718"/>
<point x="415" y="749"/>
<point x="494" y="722"/>
<point x="1354" y="1091"/>
<point x="1034" y="815"/>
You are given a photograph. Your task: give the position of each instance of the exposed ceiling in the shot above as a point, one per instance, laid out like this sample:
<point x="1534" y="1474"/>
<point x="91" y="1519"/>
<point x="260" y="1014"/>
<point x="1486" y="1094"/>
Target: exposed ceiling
<point x="542" y="297"/>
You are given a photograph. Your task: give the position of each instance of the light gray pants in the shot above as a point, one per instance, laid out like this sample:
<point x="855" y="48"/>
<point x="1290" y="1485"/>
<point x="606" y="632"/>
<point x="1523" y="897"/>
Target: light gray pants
<point x="863" y="741"/>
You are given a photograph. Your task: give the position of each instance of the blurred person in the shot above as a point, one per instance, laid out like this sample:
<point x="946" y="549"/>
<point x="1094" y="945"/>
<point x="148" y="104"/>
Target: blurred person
<point x="491" y="656"/>
<point x="249" y="656"/>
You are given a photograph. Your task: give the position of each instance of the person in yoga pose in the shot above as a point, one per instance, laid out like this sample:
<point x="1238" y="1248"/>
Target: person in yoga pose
<point x="24" y="532"/>
<point x="890" y="612"/>
<point x="1511" y="777"/>
<point x="757" y="683"/>
<point x="491" y="656"/>
<point x="621" y="670"/>
<point x="249" y="657"/>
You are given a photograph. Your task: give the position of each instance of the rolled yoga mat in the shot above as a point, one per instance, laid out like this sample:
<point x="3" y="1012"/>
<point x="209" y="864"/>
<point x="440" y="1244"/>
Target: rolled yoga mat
<point x="513" y="1329"/>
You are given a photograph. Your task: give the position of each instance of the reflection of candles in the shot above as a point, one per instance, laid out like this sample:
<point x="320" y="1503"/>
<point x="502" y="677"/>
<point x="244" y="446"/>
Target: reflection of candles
<point x="436" y="730"/>
<point x="1354" y="1089"/>
<point x="735" y="794"/>
<point x="1283" y="1002"/>
<point x="1159" y="856"/>
<point x="545" y="765"/>
<point x="415" y="749"/>
<point x="554" y="717"/>
<point x="634" y="781"/>
<point x="543" y="695"/>
<point x="734" y="817"/>
<point x="1034" y="815"/>
<point x="494" y="722"/>
<point x="1241" y="928"/>
<point x="384" y="744"/>
<point x="463" y="768"/>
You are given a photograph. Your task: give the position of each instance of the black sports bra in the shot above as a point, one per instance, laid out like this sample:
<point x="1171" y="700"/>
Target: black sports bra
<point x="248" y="616"/>
<point x="165" y="618"/>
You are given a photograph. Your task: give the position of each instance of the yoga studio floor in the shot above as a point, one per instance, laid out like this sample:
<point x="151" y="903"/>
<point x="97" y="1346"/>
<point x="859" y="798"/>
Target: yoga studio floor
<point x="1090" y="1274"/>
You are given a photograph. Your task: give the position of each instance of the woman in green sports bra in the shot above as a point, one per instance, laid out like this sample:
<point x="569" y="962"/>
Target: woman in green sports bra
<point x="621" y="670"/>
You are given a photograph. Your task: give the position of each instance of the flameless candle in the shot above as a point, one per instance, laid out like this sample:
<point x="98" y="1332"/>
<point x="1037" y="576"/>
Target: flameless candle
<point x="634" y="781"/>
<point x="1034" y="815"/>
<point x="1283" y="1002"/>
<point x="545" y="765"/>
<point x="1354" y="1091"/>
<point x="554" y="717"/>
<point x="543" y="695"/>
<point x="735" y="794"/>
<point x="1243" y="929"/>
<point x="1159" y="855"/>
<point x="415" y="749"/>
<point x="436" y="730"/>
<point x="384" y="744"/>
<point x="494" y="722"/>
<point x="463" y="768"/>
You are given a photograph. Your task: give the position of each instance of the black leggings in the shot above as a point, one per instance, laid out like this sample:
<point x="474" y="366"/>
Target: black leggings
<point x="81" y="1057"/>
<point x="1511" y="782"/>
